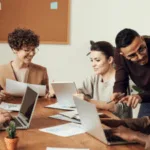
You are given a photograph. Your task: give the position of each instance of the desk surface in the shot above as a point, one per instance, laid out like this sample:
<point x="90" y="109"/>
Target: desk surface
<point x="33" y="139"/>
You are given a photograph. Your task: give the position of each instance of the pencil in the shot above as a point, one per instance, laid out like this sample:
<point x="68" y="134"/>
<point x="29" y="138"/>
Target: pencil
<point x="119" y="96"/>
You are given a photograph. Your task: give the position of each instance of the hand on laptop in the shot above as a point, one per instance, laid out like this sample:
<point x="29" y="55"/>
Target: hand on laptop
<point x="4" y="116"/>
<point x="113" y="123"/>
<point x="125" y="133"/>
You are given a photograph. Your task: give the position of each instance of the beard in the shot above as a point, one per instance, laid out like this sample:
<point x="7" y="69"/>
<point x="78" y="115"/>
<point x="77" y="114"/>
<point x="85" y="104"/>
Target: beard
<point x="142" y="62"/>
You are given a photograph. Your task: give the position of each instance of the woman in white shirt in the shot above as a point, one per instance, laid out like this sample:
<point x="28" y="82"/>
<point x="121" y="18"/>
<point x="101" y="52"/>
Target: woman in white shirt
<point x="98" y="88"/>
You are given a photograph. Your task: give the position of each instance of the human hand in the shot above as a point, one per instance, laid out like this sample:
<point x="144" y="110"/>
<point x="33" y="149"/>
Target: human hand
<point x="116" y="97"/>
<point x="49" y="95"/>
<point x="4" y="116"/>
<point x="112" y="122"/>
<point x="131" y="100"/>
<point x="3" y="95"/>
<point x="147" y="143"/>
<point x="125" y="133"/>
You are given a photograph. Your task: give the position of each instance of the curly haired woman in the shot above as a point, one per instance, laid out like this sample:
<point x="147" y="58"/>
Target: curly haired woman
<point x="23" y="43"/>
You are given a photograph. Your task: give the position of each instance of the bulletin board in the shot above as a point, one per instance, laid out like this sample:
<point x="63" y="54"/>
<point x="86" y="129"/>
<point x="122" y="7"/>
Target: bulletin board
<point x="50" y="19"/>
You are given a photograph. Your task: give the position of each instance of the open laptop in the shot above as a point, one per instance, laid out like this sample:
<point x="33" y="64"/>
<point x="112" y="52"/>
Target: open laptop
<point x="23" y="119"/>
<point x="92" y="124"/>
<point x="64" y="93"/>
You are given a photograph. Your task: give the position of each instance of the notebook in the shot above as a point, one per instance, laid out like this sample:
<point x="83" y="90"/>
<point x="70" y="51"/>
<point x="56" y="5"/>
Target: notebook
<point x="64" y="93"/>
<point x="23" y="119"/>
<point x="92" y="124"/>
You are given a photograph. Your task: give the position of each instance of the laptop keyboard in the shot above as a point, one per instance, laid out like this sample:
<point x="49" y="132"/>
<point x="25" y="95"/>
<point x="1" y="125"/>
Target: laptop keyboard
<point x="18" y="124"/>
<point x="112" y="138"/>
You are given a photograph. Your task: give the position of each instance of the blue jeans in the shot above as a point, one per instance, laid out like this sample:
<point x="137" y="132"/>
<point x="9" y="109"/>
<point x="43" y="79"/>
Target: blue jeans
<point x="144" y="110"/>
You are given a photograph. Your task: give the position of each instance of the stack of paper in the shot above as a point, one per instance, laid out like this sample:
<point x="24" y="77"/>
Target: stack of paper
<point x="10" y="106"/>
<point x="16" y="88"/>
<point x="73" y="114"/>
<point x="61" y="117"/>
<point x="65" y="130"/>
<point x="58" y="106"/>
<point x="70" y="114"/>
<point x="67" y="116"/>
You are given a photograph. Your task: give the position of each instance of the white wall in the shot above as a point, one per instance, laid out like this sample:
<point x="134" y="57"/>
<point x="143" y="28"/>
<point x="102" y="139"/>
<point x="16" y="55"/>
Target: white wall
<point x="90" y="20"/>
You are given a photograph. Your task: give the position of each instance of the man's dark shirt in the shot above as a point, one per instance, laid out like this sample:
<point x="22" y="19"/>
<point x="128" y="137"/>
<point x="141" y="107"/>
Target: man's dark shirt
<point x="139" y="124"/>
<point x="139" y="74"/>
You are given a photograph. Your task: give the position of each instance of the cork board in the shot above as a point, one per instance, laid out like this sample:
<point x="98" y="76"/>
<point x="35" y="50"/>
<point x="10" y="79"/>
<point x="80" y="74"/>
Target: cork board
<point x="50" y="19"/>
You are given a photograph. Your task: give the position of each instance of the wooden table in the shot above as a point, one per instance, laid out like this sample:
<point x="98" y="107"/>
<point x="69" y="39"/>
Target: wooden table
<point x="33" y="139"/>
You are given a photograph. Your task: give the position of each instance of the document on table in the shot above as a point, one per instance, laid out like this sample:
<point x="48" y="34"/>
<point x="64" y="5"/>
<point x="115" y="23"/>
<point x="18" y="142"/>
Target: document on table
<point x="56" y="148"/>
<point x="10" y="106"/>
<point x="19" y="88"/>
<point x="70" y="114"/>
<point x="78" y="117"/>
<point x="58" y="106"/>
<point x="73" y="114"/>
<point x="61" y="117"/>
<point x="65" y="130"/>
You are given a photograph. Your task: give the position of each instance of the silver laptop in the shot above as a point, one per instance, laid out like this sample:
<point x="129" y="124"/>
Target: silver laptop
<point x="64" y="93"/>
<point x="23" y="119"/>
<point x="92" y="124"/>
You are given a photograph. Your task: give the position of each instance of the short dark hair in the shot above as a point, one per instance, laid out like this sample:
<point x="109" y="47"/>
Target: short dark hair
<point x="125" y="37"/>
<point x="103" y="46"/>
<point x="22" y="37"/>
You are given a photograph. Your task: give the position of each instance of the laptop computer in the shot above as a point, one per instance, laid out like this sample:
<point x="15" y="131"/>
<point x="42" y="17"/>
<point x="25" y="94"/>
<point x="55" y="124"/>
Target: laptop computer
<point x="92" y="124"/>
<point x="23" y="119"/>
<point x="64" y="93"/>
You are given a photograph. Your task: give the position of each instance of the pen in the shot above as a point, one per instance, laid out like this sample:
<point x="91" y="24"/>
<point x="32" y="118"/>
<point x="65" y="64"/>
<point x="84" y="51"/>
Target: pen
<point x="119" y="96"/>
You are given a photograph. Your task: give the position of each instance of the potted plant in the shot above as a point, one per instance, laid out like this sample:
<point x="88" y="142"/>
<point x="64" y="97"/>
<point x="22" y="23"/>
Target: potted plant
<point x="11" y="140"/>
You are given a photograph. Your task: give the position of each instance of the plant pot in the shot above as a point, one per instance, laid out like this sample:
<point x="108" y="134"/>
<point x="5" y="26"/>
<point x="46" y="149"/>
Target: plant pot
<point x="11" y="144"/>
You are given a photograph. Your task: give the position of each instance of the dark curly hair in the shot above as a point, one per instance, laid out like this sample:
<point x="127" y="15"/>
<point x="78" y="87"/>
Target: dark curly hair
<point x="22" y="38"/>
<point x="125" y="37"/>
<point x="103" y="46"/>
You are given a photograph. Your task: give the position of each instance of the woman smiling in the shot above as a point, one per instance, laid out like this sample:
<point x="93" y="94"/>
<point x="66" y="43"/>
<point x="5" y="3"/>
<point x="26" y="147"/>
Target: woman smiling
<point x="24" y="44"/>
<point x="98" y="88"/>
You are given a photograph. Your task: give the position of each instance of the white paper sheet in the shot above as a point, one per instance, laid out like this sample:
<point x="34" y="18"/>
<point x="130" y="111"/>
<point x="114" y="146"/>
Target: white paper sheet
<point x="58" y="106"/>
<point x="56" y="148"/>
<point x="70" y="114"/>
<point x="61" y="117"/>
<point x="73" y="114"/>
<point x="16" y="88"/>
<point x="10" y="106"/>
<point x="65" y="130"/>
<point x="78" y="117"/>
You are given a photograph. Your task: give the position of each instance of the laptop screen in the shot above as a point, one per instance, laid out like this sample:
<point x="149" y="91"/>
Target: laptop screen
<point x="64" y="92"/>
<point x="28" y="103"/>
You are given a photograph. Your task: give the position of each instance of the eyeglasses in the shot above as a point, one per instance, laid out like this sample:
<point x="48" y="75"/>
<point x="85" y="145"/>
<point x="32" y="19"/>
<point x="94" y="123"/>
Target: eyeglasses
<point x="35" y="50"/>
<point x="141" y="51"/>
